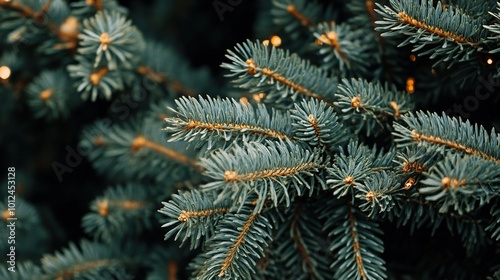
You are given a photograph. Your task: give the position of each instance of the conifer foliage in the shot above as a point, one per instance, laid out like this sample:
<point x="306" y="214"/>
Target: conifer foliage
<point x="330" y="153"/>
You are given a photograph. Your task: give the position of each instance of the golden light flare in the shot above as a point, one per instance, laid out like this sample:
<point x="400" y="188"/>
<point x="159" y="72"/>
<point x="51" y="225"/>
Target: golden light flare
<point x="410" y="85"/>
<point x="276" y="41"/>
<point x="5" y="72"/>
<point x="258" y="97"/>
<point x="489" y="61"/>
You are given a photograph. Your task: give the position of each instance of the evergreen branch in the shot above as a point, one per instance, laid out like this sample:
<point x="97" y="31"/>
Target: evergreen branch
<point x="378" y="193"/>
<point x="269" y="170"/>
<point x="495" y="29"/>
<point x="188" y="215"/>
<point x="91" y="260"/>
<point x="95" y="82"/>
<point x="463" y="183"/>
<point x="299" y="242"/>
<point x="473" y="8"/>
<point x="411" y="164"/>
<point x="409" y="20"/>
<point x="278" y="73"/>
<point x="45" y="9"/>
<point x="295" y="15"/>
<point x="50" y="95"/>
<point x="350" y="170"/>
<point x="452" y="145"/>
<point x="113" y="212"/>
<point x="369" y="105"/>
<point x="415" y="161"/>
<point x="445" y="133"/>
<point x="355" y="242"/>
<point x="193" y="214"/>
<point x="305" y="231"/>
<point x="316" y="124"/>
<point x="424" y="24"/>
<point x="233" y="177"/>
<point x="252" y="69"/>
<point x="136" y="150"/>
<point x="296" y="19"/>
<point x="345" y="51"/>
<point x="383" y="159"/>
<point x="243" y="206"/>
<point x="166" y="67"/>
<point x="236" y="246"/>
<point x="356" y="246"/>
<point x="304" y="20"/>
<point x="18" y="7"/>
<point x="208" y="120"/>
<point x="299" y="247"/>
<point x="448" y="24"/>
<point x="230" y="126"/>
<point x="330" y="38"/>
<point x="161" y="78"/>
<point x="109" y="39"/>
<point x="40" y="17"/>
<point x="146" y="71"/>
<point x="390" y="58"/>
<point x="140" y="142"/>
<point x="232" y="253"/>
